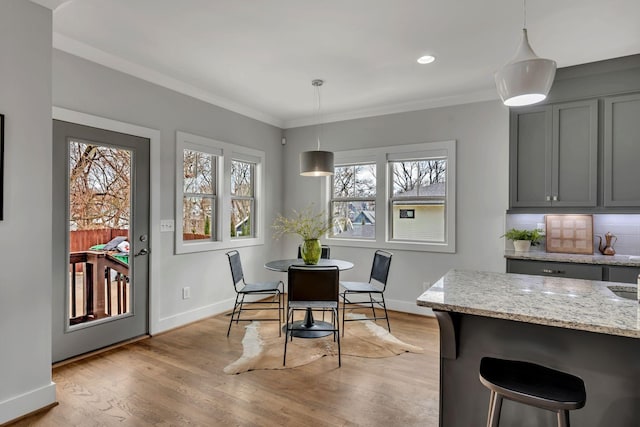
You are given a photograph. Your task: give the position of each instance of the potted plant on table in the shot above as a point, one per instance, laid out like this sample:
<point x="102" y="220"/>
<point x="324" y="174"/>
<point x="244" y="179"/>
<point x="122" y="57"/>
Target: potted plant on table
<point x="309" y="225"/>
<point x="523" y="239"/>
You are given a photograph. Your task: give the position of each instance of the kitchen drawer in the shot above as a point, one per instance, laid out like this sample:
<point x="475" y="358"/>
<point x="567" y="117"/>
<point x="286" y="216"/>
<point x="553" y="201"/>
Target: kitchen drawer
<point x="555" y="269"/>
<point x="623" y="274"/>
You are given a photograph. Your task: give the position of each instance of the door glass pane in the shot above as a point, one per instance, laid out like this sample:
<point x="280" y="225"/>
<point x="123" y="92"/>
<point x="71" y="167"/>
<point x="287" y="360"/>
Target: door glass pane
<point x="196" y="216"/>
<point x="99" y="224"/>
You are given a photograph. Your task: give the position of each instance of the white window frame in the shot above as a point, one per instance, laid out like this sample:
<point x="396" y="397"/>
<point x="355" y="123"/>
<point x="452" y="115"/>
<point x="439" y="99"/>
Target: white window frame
<point x="384" y="193"/>
<point x="224" y="152"/>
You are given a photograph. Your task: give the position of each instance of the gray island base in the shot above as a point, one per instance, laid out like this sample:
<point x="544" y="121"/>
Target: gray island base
<point x="576" y="326"/>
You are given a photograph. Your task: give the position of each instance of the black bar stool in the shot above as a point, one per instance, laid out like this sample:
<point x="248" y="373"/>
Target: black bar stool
<point x="530" y="384"/>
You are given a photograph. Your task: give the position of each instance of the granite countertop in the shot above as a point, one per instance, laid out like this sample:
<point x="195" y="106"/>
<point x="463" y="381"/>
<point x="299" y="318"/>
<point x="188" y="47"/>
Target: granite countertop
<point x="586" y="305"/>
<point x="624" y="260"/>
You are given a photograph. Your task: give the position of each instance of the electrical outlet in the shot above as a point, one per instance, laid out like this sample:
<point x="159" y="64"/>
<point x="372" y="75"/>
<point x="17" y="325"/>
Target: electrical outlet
<point x="186" y="292"/>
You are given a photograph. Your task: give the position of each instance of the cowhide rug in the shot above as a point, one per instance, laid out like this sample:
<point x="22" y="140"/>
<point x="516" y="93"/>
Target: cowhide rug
<point x="264" y="349"/>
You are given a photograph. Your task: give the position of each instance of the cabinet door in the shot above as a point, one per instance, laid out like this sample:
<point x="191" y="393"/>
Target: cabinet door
<point x="575" y="154"/>
<point x="530" y="157"/>
<point x="555" y="269"/>
<point x="624" y="274"/>
<point x="622" y="150"/>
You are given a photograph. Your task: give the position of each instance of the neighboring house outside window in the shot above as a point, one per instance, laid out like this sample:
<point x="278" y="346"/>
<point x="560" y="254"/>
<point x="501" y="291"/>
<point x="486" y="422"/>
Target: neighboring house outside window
<point x="409" y="204"/>
<point x="353" y="201"/>
<point x="218" y="185"/>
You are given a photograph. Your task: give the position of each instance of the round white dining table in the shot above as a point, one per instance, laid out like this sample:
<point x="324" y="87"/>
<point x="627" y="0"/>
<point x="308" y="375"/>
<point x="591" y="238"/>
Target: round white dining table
<point x="307" y="328"/>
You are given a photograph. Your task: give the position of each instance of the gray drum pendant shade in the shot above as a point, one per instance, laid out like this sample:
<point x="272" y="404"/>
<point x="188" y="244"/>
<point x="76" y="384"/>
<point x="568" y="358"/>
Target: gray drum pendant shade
<point x="526" y="79"/>
<point x="316" y="163"/>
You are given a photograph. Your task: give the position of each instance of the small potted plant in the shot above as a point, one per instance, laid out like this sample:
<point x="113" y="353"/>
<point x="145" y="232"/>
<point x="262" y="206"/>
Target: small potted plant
<point x="310" y="225"/>
<point x="523" y="239"/>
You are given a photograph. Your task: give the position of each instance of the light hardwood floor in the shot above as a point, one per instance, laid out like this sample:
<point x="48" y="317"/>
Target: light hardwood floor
<point x="176" y="379"/>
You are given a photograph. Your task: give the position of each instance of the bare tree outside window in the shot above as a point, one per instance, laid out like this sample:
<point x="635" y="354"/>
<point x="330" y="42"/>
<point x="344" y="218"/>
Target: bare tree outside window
<point x="242" y="198"/>
<point x="353" y="201"/>
<point x="409" y="175"/>
<point x="199" y="192"/>
<point x="99" y="187"/>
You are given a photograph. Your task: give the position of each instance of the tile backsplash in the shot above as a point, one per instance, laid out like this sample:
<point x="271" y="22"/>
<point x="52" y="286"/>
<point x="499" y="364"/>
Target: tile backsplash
<point x="625" y="226"/>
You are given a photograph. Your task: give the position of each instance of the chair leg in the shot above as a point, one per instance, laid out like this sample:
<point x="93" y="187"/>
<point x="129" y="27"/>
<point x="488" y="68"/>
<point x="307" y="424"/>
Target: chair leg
<point x="386" y="315"/>
<point x="344" y="305"/>
<point x="278" y="295"/>
<point x="233" y="313"/>
<point x="563" y="418"/>
<point x="336" y="324"/>
<point x="494" y="409"/>
<point x="286" y="337"/>
<point x="373" y="309"/>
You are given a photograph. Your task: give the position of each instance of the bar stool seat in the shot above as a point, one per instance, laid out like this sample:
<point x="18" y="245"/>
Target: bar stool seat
<point x="530" y="384"/>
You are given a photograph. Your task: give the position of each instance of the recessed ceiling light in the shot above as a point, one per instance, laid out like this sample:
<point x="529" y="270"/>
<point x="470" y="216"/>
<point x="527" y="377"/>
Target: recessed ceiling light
<point x="427" y="59"/>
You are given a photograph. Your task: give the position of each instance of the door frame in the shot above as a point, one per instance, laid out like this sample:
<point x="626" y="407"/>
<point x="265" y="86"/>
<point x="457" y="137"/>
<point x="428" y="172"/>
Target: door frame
<point x="153" y="135"/>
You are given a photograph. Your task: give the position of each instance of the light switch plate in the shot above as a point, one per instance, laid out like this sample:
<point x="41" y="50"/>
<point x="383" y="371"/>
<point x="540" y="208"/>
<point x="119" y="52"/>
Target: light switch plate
<point x="167" y="225"/>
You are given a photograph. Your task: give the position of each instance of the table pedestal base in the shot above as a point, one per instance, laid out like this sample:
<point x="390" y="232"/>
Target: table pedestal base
<point x="308" y="328"/>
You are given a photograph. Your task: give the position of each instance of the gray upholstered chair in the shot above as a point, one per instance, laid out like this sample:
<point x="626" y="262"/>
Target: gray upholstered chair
<point x="316" y="288"/>
<point x="354" y="292"/>
<point x="260" y="289"/>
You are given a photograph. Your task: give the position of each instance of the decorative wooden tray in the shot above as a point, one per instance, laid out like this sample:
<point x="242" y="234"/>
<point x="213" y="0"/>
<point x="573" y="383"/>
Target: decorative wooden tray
<point x="571" y="234"/>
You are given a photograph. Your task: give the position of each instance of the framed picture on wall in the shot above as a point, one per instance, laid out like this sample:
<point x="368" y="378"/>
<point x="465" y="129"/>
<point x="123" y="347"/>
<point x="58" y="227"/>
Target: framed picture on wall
<point x="1" y="167"/>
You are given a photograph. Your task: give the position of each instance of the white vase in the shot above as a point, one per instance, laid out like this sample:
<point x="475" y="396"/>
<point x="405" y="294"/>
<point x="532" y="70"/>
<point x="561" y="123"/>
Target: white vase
<point x="522" y="245"/>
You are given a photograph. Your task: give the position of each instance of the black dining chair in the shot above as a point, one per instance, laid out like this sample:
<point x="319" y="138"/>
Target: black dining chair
<point x="374" y="288"/>
<point x="259" y="289"/>
<point x="325" y="254"/>
<point x="313" y="288"/>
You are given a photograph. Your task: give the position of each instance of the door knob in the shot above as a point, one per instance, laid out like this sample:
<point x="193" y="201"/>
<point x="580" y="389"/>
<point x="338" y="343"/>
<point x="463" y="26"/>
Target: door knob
<point x="143" y="251"/>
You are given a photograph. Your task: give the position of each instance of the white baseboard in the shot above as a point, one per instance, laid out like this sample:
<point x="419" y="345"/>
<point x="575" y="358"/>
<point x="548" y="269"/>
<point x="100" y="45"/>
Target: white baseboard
<point x="191" y="316"/>
<point x="28" y="402"/>
<point x="408" y="307"/>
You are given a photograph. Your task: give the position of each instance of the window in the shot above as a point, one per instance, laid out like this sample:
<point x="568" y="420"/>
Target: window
<point x="218" y="194"/>
<point x="353" y="202"/>
<point x="418" y="200"/>
<point x="400" y="197"/>
<point x="198" y="195"/>
<point x="242" y="198"/>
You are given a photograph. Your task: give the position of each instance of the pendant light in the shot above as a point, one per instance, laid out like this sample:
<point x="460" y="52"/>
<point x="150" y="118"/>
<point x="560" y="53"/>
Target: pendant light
<point x="526" y="79"/>
<point x="316" y="163"/>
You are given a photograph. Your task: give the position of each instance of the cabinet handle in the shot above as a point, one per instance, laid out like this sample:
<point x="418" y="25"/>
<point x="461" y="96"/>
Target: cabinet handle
<point x="549" y="271"/>
<point x="555" y="198"/>
<point x="548" y="198"/>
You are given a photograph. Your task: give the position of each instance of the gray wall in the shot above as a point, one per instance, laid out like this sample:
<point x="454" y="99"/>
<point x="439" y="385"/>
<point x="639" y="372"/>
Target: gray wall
<point x="481" y="132"/>
<point x="25" y="232"/>
<point x="87" y="87"/>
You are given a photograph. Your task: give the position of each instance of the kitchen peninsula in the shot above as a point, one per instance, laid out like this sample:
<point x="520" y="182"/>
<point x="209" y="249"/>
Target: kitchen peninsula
<point x="573" y="325"/>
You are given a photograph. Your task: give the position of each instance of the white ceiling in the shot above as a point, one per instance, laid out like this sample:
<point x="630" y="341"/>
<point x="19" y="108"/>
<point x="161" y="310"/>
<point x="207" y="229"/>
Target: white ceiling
<point x="258" y="57"/>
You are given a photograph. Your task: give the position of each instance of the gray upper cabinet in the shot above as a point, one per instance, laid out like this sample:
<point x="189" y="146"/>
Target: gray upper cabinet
<point x="622" y="150"/>
<point x="554" y="155"/>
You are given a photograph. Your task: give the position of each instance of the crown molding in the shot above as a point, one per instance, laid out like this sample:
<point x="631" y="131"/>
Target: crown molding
<point x="90" y="53"/>
<point x="50" y="4"/>
<point x="447" y="101"/>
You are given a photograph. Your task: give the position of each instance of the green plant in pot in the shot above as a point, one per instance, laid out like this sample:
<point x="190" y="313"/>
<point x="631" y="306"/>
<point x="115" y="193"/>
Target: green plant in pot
<point x="308" y="224"/>
<point x="523" y="239"/>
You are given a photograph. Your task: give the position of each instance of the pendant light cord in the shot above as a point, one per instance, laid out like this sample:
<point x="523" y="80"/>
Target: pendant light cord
<point x="317" y="86"/>
<point x="525" y="13"/>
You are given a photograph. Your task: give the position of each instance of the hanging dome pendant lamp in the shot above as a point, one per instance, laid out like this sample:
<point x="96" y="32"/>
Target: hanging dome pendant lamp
<point x="316" y="163"/>
<point x="526" y="79"/>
